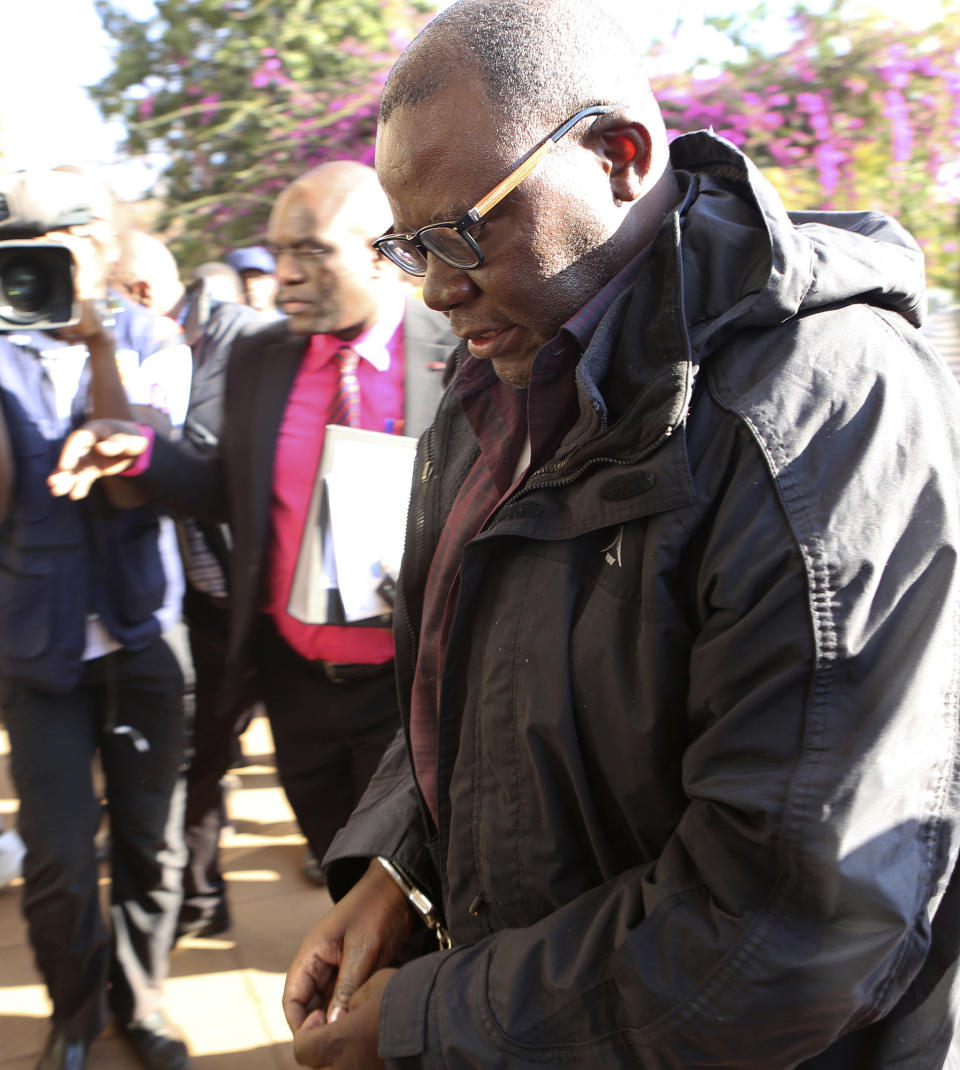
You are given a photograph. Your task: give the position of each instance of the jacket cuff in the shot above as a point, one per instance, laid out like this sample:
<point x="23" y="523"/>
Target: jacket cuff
<point x="387" y="821"/>
<point x="405" y="1009"/>
<point x="142" y="463"/>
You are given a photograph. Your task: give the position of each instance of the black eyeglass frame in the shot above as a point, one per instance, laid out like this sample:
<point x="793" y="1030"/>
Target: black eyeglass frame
<point x="474" y="215"/>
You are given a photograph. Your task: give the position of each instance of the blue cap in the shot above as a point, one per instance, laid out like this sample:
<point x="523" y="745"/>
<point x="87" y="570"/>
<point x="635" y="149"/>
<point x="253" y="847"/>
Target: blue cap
<point x="253" y="258"/>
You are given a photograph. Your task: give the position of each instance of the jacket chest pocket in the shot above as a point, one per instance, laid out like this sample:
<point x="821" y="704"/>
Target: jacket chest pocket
<point x="26" y="607"/>
<point x="34" y="459"/>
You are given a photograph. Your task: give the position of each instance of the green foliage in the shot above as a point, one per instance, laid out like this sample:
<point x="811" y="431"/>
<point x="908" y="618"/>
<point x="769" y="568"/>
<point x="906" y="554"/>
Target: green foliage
<point x="244" y="95"/>
<point x="854" y="113"/>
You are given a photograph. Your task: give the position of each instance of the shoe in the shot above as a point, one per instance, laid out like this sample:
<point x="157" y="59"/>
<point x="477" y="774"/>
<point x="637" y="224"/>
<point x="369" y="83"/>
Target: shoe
<point x="313" y="871"/>
<point x="12" y="850"/>
<point x="206" y="923"/>
<point x="156" y="1046"/>
<point x="62" y="1054"/>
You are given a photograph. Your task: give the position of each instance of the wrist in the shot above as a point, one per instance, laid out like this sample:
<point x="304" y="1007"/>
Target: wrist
<point x="417" y="900"/>
<point x="101" y="344"/>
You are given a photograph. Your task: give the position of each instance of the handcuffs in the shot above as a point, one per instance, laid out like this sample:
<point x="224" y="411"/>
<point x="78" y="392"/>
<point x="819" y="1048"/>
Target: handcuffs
<point x="420" y="902"/>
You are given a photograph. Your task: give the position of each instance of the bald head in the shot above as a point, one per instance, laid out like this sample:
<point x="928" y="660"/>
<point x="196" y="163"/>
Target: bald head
<point x="345" y="190"/>
<point x="146" y="270"/>
<point x="330" y="279"/>
<point x="478" y="90"/>
<point x="538" y="60"/>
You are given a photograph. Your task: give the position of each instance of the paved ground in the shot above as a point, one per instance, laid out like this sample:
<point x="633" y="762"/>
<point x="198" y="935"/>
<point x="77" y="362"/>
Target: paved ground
<point x="223" y="994"/>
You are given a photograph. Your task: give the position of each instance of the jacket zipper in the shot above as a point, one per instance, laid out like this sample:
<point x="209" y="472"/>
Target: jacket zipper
<point x="536" y="483"/>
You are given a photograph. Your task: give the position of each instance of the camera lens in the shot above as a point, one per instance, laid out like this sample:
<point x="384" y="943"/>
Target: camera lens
<point x="36" y="285"/>
<point x="25" y="285"/>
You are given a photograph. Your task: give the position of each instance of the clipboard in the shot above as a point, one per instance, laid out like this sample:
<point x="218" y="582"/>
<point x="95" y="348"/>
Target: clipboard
<point x="354" y="530"/>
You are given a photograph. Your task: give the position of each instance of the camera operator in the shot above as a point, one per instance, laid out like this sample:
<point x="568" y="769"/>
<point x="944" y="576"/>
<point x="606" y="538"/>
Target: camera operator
<point x="86" y="595"/>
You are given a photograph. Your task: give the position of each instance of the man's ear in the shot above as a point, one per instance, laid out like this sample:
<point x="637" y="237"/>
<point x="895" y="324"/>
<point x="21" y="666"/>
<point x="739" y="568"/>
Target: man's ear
<point x="624" y="148"/>
<point x="142" y="294"/>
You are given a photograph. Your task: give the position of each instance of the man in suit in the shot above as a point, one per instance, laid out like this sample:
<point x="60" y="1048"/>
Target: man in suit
<point x="328" y="689"/>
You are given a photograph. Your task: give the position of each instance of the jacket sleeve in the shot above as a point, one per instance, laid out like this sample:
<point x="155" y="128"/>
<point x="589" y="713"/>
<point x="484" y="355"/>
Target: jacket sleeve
<point x="387" y="821"/>
<point x="185" y="483"/>
<point x="795" y="898"/>
<point x="189" y="482"/>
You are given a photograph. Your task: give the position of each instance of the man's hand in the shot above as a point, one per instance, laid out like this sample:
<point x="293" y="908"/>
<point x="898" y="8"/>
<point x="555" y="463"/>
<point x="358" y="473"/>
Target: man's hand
<point x="89" y="328"/>
<point x="350" y="1042"/>
<point x="99" y="448"/>
<point x="362" y="933"/>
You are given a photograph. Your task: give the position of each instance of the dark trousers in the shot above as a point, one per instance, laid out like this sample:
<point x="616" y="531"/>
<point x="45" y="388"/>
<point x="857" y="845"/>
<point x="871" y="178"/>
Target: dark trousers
<point x="215" y="748"/>
<point x="53" y="740"/>
<point x="329" y="735"/>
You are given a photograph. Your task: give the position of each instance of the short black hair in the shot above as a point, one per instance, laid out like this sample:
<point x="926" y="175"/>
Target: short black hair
<point x="540" y="60"/>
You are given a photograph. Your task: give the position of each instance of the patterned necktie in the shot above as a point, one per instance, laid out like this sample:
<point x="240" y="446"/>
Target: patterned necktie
<point x="345" y="403"/>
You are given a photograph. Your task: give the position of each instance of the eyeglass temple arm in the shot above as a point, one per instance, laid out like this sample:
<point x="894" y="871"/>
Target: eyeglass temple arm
<point x="510" y="183"/>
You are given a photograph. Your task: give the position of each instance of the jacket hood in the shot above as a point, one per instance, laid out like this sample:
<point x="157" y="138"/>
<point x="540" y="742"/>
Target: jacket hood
<point x="750" y="263"/>
<point x="729" y="259"/>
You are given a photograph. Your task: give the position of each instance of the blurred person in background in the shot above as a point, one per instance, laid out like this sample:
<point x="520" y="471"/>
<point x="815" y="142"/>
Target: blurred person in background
<point x="211" y="324"/>
<point x="257" y="270"/>
<point x="146" y="272"/>
<point x="84" y="665"/>
<point x="351" y="331"/>
<point x="12" y="850"/>
<point x="222" y="282"/>
<point x="942" y="326"/>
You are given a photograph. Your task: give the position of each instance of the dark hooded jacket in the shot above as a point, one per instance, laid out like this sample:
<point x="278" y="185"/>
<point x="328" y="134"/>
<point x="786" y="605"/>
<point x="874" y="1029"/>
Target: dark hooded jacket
<point x="698" y="730"/>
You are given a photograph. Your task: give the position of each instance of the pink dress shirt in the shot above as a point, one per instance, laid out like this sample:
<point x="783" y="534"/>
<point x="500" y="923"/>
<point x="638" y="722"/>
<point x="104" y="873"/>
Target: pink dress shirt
<point x="297" y="455"/>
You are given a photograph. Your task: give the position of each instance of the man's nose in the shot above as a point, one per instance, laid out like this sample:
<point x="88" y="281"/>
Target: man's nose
<point x="445" y="287"/>
<point x="288" y="267"/>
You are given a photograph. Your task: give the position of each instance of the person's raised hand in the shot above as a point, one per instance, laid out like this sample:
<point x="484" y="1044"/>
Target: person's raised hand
<point x="350" y="1042"/>
<point x="89" y="327"/>
<point x="99" y="448"/>
<point x="362" y="933"/>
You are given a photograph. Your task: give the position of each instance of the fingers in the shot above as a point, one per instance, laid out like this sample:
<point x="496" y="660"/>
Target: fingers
<point x="79" y="484"/>
<point x="352" y="1042"/>
<point x="307" y="986"/>
<point x="301" y="1000"/>
<point x="130" y="446"/>
<point x="77" y="446"/>
<point x="86" y="457"/>
<point x="360" y="959"/>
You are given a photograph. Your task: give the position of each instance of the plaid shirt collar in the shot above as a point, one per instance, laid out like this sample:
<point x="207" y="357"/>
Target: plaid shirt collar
<point x="582" y="324"/>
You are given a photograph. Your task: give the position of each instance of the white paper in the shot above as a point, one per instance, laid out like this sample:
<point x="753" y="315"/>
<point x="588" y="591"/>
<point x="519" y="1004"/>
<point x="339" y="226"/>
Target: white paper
<point x="355" y="526"/>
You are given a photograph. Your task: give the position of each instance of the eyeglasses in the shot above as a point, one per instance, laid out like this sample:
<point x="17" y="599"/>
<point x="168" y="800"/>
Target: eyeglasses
<point x="452" y="242"/>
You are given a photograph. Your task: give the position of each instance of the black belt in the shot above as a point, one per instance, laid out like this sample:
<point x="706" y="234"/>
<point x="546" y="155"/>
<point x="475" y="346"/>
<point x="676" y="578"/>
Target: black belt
<point x="334" y="672"/>
<point x="340" y="673"/>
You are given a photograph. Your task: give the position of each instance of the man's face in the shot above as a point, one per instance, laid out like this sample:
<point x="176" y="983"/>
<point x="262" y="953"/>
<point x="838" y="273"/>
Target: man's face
<point x="259" y="289"/>
<point x="333" y="287"/>
<point x="544" y="245"/>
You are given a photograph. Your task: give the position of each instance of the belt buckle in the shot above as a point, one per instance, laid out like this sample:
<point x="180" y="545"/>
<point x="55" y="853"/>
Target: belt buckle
<point x="332" y="672"/>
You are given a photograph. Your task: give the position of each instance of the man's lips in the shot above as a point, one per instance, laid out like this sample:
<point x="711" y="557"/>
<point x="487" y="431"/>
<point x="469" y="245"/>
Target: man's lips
<point x="490" y="344"/>
<point x="292" y="304"/>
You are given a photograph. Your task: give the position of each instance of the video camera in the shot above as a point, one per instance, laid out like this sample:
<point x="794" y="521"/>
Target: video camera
<point x="36" y="277"/>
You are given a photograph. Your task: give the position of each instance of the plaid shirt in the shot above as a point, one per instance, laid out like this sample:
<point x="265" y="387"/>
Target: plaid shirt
<point x="503" y="419"/>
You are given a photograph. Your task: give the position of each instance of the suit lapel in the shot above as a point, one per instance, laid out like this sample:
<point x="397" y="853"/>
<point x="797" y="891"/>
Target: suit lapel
<point x="278" y="368"/>
<point x="427" y="343"/>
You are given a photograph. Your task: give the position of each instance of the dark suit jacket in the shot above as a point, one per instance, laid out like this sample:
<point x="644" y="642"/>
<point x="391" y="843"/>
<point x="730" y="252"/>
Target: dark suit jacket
<point x="235" y="485"/>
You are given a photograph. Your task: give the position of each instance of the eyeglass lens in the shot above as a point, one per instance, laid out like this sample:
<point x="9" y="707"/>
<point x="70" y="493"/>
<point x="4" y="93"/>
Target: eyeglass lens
<point x="444" y="242"/>
<point x="450" y="245"/>
<point x="404" y="254"/>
